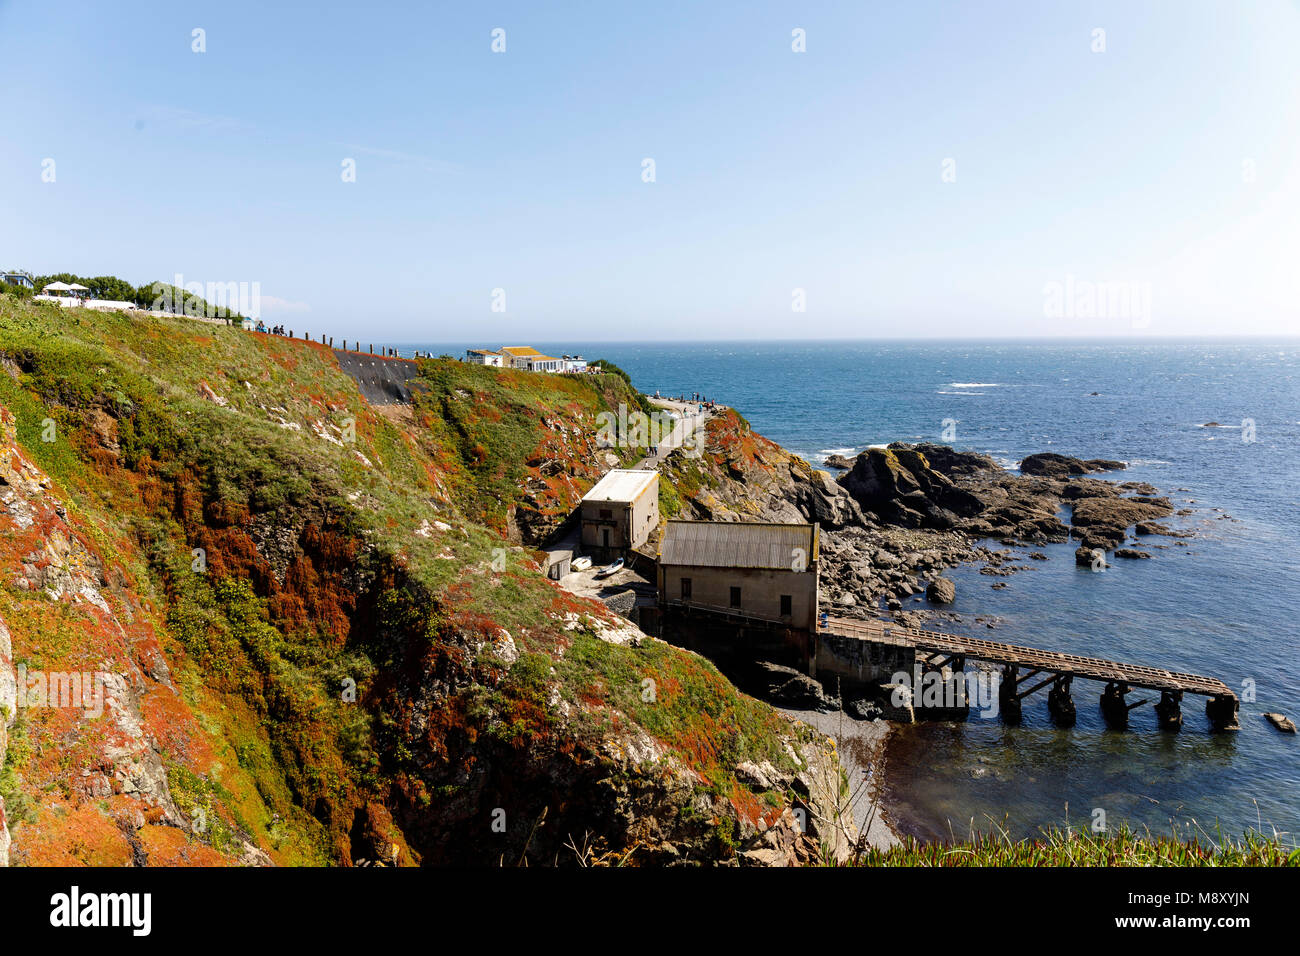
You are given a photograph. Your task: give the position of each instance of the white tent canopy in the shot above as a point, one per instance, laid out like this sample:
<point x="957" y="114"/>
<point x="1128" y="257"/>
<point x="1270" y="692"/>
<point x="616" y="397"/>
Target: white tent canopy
<point x="59" y="287"/>
<point x="78" y="288"/>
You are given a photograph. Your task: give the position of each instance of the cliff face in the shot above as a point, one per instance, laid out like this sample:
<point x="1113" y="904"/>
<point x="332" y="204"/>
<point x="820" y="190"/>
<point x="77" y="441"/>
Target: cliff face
<point x="741" y="476"/>
<point x="317" y="636"/>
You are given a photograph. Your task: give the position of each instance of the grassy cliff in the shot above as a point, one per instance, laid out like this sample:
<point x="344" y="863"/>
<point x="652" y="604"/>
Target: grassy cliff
<point x="325" y="639"/>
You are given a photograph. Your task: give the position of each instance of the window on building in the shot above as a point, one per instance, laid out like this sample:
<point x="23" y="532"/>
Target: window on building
<point x="686" y="589"/>
<point x="606" y="513"/>
<point x="786" y="603"/>
<point x="735" y="597"/>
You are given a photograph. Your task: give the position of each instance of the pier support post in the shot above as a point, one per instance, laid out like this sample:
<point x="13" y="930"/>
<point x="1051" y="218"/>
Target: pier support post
<point x="1168" y="711"/>
<point x="1008" y="699"/>
<point x="1222" y="711"/>
<point x="1059" y="702"/>
<point x="1112" y="705"/>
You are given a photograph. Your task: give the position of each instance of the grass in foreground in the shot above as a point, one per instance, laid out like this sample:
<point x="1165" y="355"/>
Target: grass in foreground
<point x="1123" y="847"/>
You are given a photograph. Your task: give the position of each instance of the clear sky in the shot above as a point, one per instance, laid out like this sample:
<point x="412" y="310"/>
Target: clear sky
<point x="1167" y="165"/>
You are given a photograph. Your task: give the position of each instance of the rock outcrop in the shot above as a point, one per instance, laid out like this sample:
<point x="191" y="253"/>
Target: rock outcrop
<point x="739" y="475"/>
<point x="897" y="486"/>
<point x="1051" y="465"/>
<point x="941" y="591"/>
<point x="899" y="515"/>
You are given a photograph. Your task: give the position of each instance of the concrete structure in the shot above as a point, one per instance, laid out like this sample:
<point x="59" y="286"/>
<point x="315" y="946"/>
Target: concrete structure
<point x="485" y="357"/>
<point x="621" y="511"/>
<point x="753" y="571"/>
<point x="573" y="363"/>
<point x="18" y="278"/>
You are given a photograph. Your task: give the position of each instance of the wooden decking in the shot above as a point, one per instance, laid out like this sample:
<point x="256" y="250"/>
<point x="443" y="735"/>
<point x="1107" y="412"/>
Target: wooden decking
<point x="1092" y="668"/>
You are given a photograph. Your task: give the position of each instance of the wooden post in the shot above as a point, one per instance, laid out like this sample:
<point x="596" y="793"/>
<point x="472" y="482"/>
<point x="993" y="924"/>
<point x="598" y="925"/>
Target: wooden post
<point x="1168" y="711"/>
<point x="1222" y="711"/>
<point x="1059" y="702"/>
<point x="1113" y="707"/>
<point x="1007" y="696"/>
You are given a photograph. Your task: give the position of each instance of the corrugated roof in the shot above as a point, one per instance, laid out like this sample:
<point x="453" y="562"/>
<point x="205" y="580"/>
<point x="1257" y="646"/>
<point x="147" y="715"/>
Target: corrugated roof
<point x="621" y="485"/>
<point x="729" y="544"/>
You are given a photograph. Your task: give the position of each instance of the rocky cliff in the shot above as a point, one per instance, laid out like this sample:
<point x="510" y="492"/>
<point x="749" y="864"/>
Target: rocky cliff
<point x="318" y="635"/>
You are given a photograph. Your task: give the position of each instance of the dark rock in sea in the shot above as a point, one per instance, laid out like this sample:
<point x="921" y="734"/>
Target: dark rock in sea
<point x="950" y="462"/>
<point x="1131" y="554"/>
<point x="1212" y="425"/>
<point x="1138" y="488"/>
<point x="898" y="485"/>
<point x="1104" y="522"/>
<point x="1281" y="722"/>
<point x="1051" y="465"/>
<point x="1077" y="488"/>
<point x="941" y="591"/>
<point x="1088" y="557"/>
<point x="839" y="461"/>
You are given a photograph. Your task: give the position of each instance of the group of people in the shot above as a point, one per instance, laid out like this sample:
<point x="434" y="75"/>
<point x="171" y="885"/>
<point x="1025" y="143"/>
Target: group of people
<point x="270" y="330"/>
<point x="696" y="398"/>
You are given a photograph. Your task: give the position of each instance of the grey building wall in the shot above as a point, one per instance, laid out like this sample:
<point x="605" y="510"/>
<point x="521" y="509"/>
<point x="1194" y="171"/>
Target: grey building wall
<point x="760" y="591"/>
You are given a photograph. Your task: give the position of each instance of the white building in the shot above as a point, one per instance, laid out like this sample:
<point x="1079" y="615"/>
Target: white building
<point x="485" y="357"/>
<point x="544" y="363"/>
<point x="573" y="363"/>
<point x="620" y="511"/>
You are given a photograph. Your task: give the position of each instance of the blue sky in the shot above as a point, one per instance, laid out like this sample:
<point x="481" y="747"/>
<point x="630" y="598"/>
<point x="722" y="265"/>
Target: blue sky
<point x="1167" y="164"/>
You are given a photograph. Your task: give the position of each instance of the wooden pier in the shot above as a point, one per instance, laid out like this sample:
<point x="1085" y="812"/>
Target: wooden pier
<point x="1022" y="664"/>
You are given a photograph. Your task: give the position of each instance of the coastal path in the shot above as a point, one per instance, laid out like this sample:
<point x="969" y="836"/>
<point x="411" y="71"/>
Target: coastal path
<point x="688" y="422"/>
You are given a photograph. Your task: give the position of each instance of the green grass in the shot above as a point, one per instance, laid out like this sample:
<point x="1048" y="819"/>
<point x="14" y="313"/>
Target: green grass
<point x="1060" y="847"/>
<point x="680" y="699"/>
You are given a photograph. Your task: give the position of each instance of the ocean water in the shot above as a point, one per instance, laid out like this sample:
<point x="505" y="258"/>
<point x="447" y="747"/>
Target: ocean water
<point x="1227" y="605"/>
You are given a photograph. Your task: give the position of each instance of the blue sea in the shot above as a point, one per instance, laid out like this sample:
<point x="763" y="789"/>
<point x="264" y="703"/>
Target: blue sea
<point x="1228" y="605"/>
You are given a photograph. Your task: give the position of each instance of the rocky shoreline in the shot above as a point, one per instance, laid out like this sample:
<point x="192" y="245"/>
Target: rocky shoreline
<point x="895" y="518"/>
<point x="925" y="508"/>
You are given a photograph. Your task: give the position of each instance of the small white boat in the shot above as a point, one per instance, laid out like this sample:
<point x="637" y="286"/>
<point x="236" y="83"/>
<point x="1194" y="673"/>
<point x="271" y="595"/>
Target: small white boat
<point x="580" y="564"/>
<point x="614" y="568"/>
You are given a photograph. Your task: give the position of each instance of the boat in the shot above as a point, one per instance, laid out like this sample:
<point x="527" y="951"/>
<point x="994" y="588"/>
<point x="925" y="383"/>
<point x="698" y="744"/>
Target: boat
<point x="580" y="564"/>
<point x="614" y="568"/>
